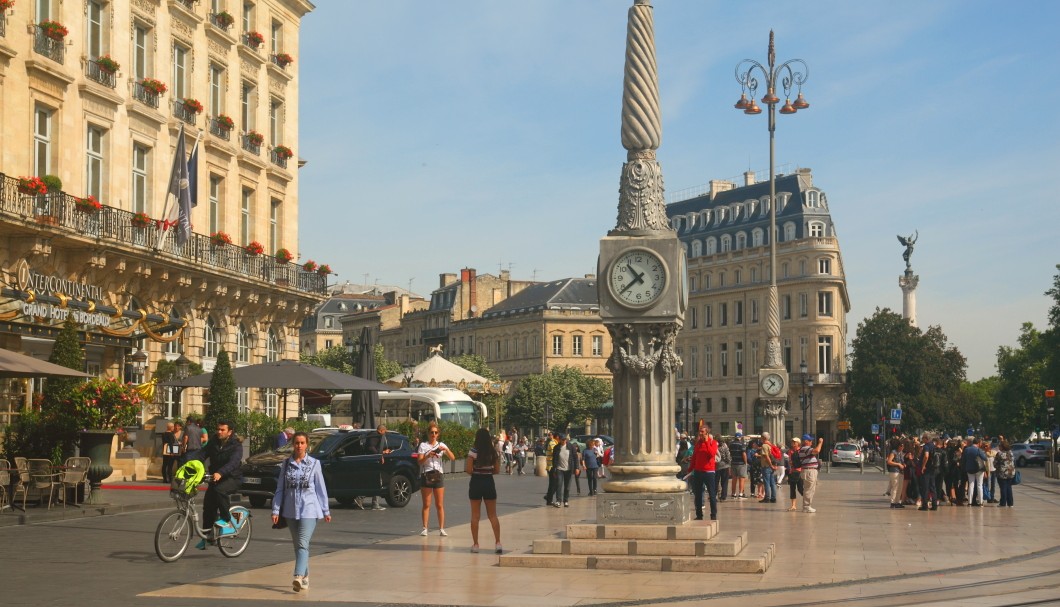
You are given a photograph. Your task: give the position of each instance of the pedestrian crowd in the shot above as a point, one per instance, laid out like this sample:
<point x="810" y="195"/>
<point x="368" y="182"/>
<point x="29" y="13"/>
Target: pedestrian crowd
<point x="929" y="470"/>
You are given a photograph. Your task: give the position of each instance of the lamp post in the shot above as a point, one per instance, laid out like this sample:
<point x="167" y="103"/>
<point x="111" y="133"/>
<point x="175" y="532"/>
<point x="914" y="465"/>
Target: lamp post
<point x="803" y="403"/>
<point x="407" y="372"/>
<point x="813" y="421"/>
<point x="139" y="364"/>
<point x="791" y="73"/>
<point x="183" y="365"/>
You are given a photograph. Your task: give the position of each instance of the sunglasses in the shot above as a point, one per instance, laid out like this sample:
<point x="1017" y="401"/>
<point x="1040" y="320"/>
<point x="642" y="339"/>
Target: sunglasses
<point x="433" y="432"/>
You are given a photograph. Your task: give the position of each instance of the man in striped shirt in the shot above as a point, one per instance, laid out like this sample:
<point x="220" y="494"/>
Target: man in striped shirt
<point x="810" y="465"/>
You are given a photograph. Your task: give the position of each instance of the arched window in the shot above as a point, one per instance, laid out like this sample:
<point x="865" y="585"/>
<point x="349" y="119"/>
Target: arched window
<point x="273" y="348"/>
<point x="211" y="339"/>
<point x="712" y="245"/>
<point x="726" y="243"/>
<point x="756" y="237"/>
<point x="174" y="347"/>
<point x="816" y="229"/>
<point x="243" y="345"/>
<point x="676" y="223"/>
<point x="697" y="248"/>
<point x="811" y="199"/>
<point x="741" y="240"/>
<point x="789" y="231"/>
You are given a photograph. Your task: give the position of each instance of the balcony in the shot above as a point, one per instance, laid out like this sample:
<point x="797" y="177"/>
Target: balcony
<point x="114" y="228"/>
<point x="145" y="96"/>
<point x="97" y="73"/>
<point x="252" y="40"/>
<point x="183" y="112"/>
<point x="49" y="47"/>
<point x="222" y="21"/>
<point x="221" y="129"/>
<point x="250" y="144"/>
<point x="278" y="159"/>
<point x="3" y="25"/>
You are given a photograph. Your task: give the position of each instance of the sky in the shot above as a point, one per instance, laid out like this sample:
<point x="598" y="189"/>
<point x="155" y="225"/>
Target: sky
<point x="485" y="134"/>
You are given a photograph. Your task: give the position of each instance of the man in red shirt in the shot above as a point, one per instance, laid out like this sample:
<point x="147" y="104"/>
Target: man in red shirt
<point x="703" y="471"/>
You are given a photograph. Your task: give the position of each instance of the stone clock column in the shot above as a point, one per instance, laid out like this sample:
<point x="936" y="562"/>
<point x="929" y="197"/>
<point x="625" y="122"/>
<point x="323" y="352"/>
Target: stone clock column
<point x="642" y="302"/>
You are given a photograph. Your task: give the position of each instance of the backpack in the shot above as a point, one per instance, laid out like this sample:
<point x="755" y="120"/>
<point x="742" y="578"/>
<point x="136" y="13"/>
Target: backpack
<point x="775" y="452"/>
<point x="937" y="461"/>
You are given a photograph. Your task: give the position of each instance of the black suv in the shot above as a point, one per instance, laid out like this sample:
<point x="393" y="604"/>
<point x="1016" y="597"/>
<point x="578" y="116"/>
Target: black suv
<point x="350" y="469"/>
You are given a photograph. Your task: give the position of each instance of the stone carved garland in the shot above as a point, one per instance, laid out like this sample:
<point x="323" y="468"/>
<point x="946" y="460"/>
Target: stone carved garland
<point x="775" y="408"/>
<point x="658" y="355"/>
<point x="640" y="200"/>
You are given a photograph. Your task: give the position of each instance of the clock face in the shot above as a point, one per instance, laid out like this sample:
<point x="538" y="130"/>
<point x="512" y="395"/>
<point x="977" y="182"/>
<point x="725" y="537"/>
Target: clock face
<point x="772" y="384"/>
<point x="637" y="278"/>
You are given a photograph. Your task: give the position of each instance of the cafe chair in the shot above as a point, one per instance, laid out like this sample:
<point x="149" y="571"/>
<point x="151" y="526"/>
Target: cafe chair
<point x="75" y="473"/>
<point x="42" y="479"/>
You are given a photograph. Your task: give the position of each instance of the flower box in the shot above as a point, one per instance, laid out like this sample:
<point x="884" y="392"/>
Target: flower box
<point x="255" y="138"/>
<point x="6" y="4"/>
<point x="254" y="248"/>
<point x="310" y="266"/>
<point x="193" y="105"/>
<point x="283" y="59"/>
<point x="324" y="269"/>
<point x="218" y="239"/>
<point x="283" y="151"/>
<point x="255" y="39"/>
<point x="284" y="256"/>
<point x="107" y="64"/>
<point x="32" y="186"/>
<point x="224" y="20"/>
<point x="141" y="220"/>
<point x="225" y="122"/>
<point x="88" y="204"/>
<point x="54" y="29"/>
<point x="153" y="86"/>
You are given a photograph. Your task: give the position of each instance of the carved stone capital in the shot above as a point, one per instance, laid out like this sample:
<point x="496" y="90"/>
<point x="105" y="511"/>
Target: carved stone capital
<point x="643" y="349"/>
<point x="641" y="206"/>
<point x="775" y="408"/>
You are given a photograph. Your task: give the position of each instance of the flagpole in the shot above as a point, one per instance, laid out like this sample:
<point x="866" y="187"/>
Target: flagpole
<point x="167" y="211"/>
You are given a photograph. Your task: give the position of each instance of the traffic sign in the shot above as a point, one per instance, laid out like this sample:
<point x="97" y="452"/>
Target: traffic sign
<point x="896" y="415"/>
<point x="843" y="425"/>
<point x="894" y="422"/>
<point x="875" y="429"/>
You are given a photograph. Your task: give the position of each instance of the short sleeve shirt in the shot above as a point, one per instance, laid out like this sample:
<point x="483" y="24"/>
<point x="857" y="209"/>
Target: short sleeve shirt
<point x="430" y="463"/>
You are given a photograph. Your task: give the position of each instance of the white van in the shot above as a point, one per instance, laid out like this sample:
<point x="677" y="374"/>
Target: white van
<point x="419" y="404"/>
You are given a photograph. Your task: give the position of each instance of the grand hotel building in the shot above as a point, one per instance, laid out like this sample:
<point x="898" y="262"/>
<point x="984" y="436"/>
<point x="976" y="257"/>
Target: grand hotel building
<point x="725" y="233"/>
<point x="79" y="101"/>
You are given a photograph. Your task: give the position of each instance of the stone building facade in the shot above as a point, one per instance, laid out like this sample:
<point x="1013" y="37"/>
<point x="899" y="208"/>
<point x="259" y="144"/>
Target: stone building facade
<point x="80" y="100"/>
<point x="725" y="233"/>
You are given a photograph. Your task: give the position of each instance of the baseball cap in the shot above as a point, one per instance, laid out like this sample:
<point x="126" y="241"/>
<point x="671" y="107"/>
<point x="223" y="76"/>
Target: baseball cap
<point x="739" y="434"/>
<point x="808" y="437"/>
<point x="561" y="436"/>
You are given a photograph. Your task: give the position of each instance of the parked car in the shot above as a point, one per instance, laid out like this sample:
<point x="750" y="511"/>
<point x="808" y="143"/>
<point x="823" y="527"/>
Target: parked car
<point x="583" y="439"/>
<point x="847" y="453"/>
<point x="1029" y="453"/>
<point x="350" y="470"/>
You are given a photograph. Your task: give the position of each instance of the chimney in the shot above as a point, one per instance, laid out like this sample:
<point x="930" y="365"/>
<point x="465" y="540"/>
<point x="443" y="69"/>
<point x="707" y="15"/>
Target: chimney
<point x="472" y="281"/>
<point x="403" y="304"/>
<point x="748" y="178"/>
<point x="806" y="177"/>
<point x="720" y="185"/>
<point x="446" y="279"/>
<point x="506" y="275"/>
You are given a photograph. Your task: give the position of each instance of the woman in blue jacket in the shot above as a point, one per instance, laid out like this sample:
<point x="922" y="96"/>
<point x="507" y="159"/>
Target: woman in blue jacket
<point x="301" y="498"/>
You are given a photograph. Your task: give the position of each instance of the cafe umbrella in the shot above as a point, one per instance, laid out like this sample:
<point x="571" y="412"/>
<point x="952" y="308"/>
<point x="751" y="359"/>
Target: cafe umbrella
<point x="13" y="364"/>
<point x="369" y="399"/>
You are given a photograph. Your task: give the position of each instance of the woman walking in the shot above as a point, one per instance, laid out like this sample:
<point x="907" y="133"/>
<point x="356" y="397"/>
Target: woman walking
<point x="483" y="461"/>
<point x="432" y="479"/>
<point x="301" y="498"/>
<point x="794" y="472"/>
<point x="1005" y="470"/>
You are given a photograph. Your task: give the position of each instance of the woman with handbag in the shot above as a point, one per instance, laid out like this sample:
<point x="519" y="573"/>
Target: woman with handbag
<point x="483" y="461"/>
<point x="432" y="479"/>
<point x="1005" y="470"/>
<point x="301" y="498"/>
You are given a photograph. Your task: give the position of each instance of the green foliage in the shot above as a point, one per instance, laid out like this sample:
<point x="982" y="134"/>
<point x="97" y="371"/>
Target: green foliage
<point x="335" y="358"/>
<point x="65" y="352"/>
<point x="222" y="393"/>
<point x="55" y="185"/>
<point x="104" y="404"/>
<point x="571" y="397"/>
<point x="30" y="435"/>
<point x="167" y="370"/>
<point x="384" y="367"/>
<point x="476" y="364"/>
<point x="459" y="439"/>
<point x="892" y="361"/>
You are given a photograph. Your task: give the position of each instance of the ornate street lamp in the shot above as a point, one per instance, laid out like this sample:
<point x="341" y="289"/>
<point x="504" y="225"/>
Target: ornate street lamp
<point x="139" y="364"/>
<point x="407" y="371"/>
<point x="772" y="376"/>
<point x="183" y="365"/>
<point x="690" y="396"/>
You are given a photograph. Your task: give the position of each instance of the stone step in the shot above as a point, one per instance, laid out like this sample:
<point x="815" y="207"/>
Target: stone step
<point x="729" y="544"/>
<point x="692" y="530"/>
<point x="756" y="558"/>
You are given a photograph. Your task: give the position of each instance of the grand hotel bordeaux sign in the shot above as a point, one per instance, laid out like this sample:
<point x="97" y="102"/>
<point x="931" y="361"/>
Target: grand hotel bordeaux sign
<point x="38" y="304"/>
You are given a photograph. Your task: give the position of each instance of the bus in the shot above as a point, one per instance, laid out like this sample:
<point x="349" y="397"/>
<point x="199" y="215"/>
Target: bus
<point x="420" y="404"/>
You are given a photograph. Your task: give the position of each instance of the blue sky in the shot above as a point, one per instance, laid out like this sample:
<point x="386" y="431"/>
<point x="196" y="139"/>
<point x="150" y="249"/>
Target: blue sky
<point x="485" y="134"/>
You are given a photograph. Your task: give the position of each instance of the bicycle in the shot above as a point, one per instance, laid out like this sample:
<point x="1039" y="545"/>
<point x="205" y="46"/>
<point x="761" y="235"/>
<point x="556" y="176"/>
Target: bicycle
<point x="174" y="530"/>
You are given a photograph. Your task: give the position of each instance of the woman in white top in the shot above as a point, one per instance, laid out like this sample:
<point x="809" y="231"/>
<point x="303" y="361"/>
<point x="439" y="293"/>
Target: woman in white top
<point x="432" y="481"/>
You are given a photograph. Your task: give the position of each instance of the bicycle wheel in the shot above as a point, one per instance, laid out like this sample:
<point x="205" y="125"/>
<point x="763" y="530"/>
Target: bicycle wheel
<point x="234" y="545"/>
<point x="172" y="535"/>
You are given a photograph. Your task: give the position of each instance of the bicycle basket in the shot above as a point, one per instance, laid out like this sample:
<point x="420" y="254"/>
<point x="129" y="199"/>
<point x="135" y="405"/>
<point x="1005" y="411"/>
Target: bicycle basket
<point x="187" y="478"/>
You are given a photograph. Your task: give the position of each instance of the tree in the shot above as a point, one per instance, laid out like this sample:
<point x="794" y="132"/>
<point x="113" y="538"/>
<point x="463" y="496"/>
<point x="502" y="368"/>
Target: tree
<point x="560" y="398"/>
<point x="384" y="367"/>
<point x="62" y="429"/>
<point x="335" y="358"/>
<point x="894" y="362"/>
<point x="222" y="394"/>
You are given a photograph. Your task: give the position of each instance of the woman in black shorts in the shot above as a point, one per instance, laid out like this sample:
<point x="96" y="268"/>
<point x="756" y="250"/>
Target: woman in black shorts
<point x="432" y="479"/>
<point x="483" y="461"/>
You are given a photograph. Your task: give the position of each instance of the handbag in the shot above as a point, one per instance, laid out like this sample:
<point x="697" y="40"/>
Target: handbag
<point x="281" y="523"/>
<point x="432" y="476"/>
<point x="1017" y="479"/>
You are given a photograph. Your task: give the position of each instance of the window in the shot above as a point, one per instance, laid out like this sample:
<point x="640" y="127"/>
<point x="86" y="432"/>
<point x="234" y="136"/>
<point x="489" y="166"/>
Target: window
<point x="726" y="243"/>
<point x="708" y="362"/>
<point x="710" y="407"/>
<point x="215" y="203"/>
<point x="787" y="354"/>
<point x="576" y="345"/>
<point x="708" y="319"/>
<point x="754" y="354"/>
<point x="692" y="317"/>
<point x="824" y="266"/>
<point x="557" y="345"/>
<point x="94" y="35"/>
<point x="211" y="339"/>
<point x="811" y="199"/>
<point x="721" y="278"/>
<point x="754" y="275"/>
<point x="697" y="248"/>
<point x="737" y="277"/>
<point x="276" y="37"/>
<point x="691" y="284"/>
<point x="739" y="359"/>
<point x="274" y="225"/>
<point x="741" y="241"/>
<point x="824" y="354"/>
<point x="139" y="178"/>
<point x="180" y="72"/>
<point x="94" y="162"/>
<point x="723" y="314"/>
<point x="802" y="267"/>
<point x="712" y="245"/>
<point x="141" y="52"/>
<point x="824" y="303"/>
<point x="785" y="270"/>
<point x="785" y="307"/>
<point x="816" y="229"/>
<point x="803" y="344"/>
<point x="276" y="122"/>
<point x="706" y="282"/>
<point x="270" y="401"/>
<point x="42" y="141"/>
<point x="217" y="93"/>
<point x="242" y="345"/>
<point x="737" y="313"/>
<point x="804" y="305"/>
<point x="246" y="108"/>
<point x="724" y="360"/>
<point x="754" y="311"/>
<point x="756" y="237"/>
<point x="598" y="345"/>
<point x="789" y="231"/>
<point x="724" y="405"/>
<point x="248" y="16"/>
<point x="739" y="404"/>
<point x="43" y="10"/>
<point x="244" y="215"/>
<point x="693" y="357"/>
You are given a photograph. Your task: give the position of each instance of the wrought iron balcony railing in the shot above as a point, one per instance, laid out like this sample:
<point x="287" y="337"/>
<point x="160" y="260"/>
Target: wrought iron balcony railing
<point x="94" y="71"/>
<point x="145" y="96"/>
<point x="56" y="210"/>
<point x="183" y="112"/>
<point x="3" y="25"/>
<point x="221" y="21"/>
<point x="220" y="129"/>
<point x="49" y="47"/>
<point x="278" y="159"/>
<point x="250" y="145"/>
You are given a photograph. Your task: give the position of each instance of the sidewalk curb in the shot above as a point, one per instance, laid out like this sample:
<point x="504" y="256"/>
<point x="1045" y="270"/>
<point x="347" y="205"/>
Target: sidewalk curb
<point x="77" y="512"/>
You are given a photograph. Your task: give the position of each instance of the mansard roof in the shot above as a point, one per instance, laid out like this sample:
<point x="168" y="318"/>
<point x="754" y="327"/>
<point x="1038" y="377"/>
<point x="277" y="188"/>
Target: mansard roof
<point x="564" y="294"/>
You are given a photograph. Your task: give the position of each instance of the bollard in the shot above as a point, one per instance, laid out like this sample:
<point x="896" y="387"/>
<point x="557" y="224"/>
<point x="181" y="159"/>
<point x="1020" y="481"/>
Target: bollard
<point x="539" y="466"/>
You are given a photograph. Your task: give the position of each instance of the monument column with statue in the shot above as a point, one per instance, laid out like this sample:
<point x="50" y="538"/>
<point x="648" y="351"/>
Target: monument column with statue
<point x="908" y="281"/>
<point x="643" y="296"/>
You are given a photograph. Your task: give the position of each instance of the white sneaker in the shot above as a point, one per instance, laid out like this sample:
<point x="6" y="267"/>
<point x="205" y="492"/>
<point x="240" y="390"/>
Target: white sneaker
<point x="809" y="509"/>
<point x="305" y="582"/>
<point x="424" y="532"/>
<point x="442" y="533"/>
<point x="297" y="584"/>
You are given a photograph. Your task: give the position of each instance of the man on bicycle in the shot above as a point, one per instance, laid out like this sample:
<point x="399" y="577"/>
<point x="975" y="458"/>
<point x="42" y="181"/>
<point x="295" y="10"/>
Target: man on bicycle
<point x="224" y="476"/>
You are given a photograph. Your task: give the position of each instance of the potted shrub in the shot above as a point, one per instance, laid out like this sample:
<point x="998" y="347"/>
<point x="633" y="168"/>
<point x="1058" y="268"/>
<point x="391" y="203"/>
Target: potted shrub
<point x="283" y="59"/>
<point x="55" y="185"/>
<point x="283" y="255"/>
<point x="53" y="29"/>
<point x="107" y="64"/>
<point x="223" y="19"/>
<point x="32" y="186"/>
<point x="88" y="204"/>
<point x="255" y="138"/>
<point x="101" y="407"/>
<point x="218" y="239"/>
<point x="283" y="151"/>
<point x="225" y="122"/>
<point x="254" y="248"/>
<point x="310" y="266"/>
<point x="153" y="86"/>
<point x="141" y="220"/>
<point x="193" y="105"/>
<point x="324" y="269"/>
<point x="255" y="39"/>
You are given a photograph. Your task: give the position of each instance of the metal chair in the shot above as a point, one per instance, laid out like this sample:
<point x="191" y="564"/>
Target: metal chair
<point x="41" y="478"/>
<point x="75" y="472"/>
<point x="5" y="481"/>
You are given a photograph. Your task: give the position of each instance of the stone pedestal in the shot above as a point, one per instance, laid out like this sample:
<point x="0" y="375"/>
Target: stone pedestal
<point x="644" y="508"/>
<point x="908" y="283"/>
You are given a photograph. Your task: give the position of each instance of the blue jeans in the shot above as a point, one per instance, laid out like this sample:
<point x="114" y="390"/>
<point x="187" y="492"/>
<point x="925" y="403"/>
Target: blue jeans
<point x="708" y="480"/>
<point x="563" y="485"/>
<point x="770" y="482"/>
<point x="1005" y="484"/>
<point x="301" y="532"/>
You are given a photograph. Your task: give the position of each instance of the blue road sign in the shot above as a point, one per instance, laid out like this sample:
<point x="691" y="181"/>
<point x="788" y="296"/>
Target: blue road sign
<point x="896" y="415"/>
<point x="875" y="428"/>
